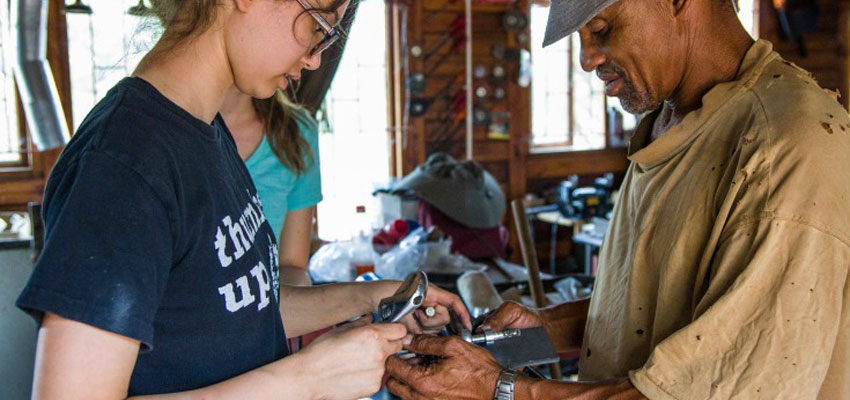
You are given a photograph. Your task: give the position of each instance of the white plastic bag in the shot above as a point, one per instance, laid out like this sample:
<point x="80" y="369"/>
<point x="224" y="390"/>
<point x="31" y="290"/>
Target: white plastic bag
<point x="401" y="261"/>
<point x="332" y="263"/>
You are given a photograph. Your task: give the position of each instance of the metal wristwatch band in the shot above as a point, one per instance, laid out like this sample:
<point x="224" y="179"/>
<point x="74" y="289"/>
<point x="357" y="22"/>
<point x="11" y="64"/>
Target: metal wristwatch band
<point x="505" y="385"/>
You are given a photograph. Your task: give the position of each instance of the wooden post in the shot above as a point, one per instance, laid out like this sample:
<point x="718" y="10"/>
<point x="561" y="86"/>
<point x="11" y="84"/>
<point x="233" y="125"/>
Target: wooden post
<point x="529" y="256"/>
<point x="529" y="253"/>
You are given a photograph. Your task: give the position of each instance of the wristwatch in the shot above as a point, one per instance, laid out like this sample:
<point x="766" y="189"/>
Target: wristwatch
<point x="505" y="385"/>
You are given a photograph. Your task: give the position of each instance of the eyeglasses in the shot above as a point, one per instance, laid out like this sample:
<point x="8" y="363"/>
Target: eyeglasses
<point x="331" y="33"/>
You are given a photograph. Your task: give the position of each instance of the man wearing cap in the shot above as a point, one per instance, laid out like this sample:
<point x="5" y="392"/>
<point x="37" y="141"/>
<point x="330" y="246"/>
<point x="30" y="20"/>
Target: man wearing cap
<point x="724" y="274"/>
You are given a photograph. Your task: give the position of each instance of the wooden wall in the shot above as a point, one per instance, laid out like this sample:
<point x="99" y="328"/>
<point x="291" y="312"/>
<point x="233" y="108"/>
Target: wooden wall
<point x="827" y="47"/>
<point x="511" y="161"/>
<point x="520" y="170"/>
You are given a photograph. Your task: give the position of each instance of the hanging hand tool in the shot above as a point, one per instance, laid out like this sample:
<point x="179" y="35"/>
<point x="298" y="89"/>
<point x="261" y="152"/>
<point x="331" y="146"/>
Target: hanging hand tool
<point x="453" y="107"/>
<point x="480" y="71"/>
<point x="416" y="83"/>
<point x="454" y="32"/>
<point x="514" y="21"/>
<point x="480" y="116"/>
<point x="446" y="132"/>
<point x="454" y="50"/>
<point x="420" y="105"/>
<point x="499" y="93"/>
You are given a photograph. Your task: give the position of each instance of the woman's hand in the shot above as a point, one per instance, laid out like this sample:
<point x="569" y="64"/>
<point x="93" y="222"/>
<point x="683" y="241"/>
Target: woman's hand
<point x="349" y="362"/>
<point x="442" y="301"/>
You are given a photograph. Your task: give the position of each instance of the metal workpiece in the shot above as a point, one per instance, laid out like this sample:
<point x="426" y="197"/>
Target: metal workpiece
<point x="409" y="296"/>
<point x="488" y="337"/>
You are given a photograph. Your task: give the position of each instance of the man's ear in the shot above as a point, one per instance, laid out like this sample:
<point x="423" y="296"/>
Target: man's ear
<point x="243" y="5"/>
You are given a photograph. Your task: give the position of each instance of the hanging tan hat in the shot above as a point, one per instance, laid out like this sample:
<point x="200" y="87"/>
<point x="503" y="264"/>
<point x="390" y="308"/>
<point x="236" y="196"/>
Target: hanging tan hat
<point x="464" y="191"/>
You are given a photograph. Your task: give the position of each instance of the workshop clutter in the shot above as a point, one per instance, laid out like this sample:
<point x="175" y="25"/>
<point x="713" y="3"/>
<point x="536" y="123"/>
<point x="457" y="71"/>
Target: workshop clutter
<point x="586" y="202"/>
<point x="463" y="200"/>
<point x="422" y="248"/>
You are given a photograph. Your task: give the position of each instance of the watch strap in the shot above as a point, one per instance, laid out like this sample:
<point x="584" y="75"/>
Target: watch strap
<point x="505" y="385"/>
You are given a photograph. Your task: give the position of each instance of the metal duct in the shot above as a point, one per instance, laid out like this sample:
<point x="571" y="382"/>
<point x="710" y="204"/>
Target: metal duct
<point x="39" y="96"/>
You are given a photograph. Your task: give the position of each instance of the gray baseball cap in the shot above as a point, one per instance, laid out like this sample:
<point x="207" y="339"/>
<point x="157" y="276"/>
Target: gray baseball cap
<point x="567" y="16"/>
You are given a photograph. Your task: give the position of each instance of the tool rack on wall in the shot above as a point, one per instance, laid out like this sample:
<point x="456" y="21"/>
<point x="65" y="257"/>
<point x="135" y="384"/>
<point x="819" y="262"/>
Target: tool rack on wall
<point x="437" y="69"/>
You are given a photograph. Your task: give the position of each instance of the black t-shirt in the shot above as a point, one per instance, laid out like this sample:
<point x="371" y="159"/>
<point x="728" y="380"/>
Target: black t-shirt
<point x="154" y="231"/>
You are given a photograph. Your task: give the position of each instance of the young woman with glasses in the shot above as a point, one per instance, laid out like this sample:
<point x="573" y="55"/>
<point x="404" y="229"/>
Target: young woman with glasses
<point x="159" y="274"/>
<point x="279" y="142"/>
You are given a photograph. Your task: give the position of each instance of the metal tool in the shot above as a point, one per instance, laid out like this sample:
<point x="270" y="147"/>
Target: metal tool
<point x="515" y="21"/>
<point x="409" y="296"/>
<point x="416" y="82"/>
<point x="488" y="337"/>
<point x="516" y="348"/>
<point x="454" y="32"/>
<point x="480" y="115"/>
<point x="480" y="71"/>
<point x="420" y="105"/>
<point x="499" y="93"/>
<point x="455" y="49"/>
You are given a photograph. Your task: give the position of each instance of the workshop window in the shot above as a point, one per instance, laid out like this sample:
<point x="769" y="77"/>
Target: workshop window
<point x="748" y="13"/>
<point x="104" y="47"/>
<point x="354" y="142"/>
<point x="569" y="110"/>
<point x="13" y="142"/>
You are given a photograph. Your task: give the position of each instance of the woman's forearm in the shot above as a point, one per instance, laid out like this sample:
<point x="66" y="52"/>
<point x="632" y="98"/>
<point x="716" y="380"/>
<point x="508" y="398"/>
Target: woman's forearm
<point x="307" y="309"/>
<point x="283" y="378"/>
<point x="78" y="361"/>
<point x="291" y="275"/>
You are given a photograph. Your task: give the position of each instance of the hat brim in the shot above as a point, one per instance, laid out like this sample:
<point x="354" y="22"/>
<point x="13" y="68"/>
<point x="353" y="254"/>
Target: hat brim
<point x="568" y="16"/>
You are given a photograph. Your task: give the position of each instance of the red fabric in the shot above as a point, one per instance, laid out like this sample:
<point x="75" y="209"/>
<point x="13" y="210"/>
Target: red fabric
<point x="298" y="343"/>
<point x="475" y="244"/>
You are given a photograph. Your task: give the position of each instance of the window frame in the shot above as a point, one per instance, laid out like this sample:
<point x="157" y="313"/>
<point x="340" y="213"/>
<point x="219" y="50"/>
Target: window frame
<point x="25" y="161"/>
<point x="566" y="146"/>
<point x="23" y="182"/>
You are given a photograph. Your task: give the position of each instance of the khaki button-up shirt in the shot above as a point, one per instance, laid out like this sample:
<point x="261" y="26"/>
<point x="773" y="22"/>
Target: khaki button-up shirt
<point x="724" y="274"/>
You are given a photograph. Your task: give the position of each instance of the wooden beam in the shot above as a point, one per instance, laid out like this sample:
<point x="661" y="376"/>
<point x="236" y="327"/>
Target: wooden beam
<point x="560" y="165"/>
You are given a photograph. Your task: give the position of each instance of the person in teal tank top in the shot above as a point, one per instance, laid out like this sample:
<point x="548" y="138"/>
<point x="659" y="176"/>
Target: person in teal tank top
<point x="279" y="143"/>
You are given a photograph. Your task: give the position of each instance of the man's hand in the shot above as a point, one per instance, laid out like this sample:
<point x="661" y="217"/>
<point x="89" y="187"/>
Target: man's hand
<point x="563" y="322"/>
<point x="512" y="315"/>
<point x="460" y="371"/>
<point x="463" y="371"/>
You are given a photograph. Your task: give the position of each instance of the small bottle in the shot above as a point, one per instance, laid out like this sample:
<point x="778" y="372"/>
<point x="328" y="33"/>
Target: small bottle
<point x="363" y="258"/>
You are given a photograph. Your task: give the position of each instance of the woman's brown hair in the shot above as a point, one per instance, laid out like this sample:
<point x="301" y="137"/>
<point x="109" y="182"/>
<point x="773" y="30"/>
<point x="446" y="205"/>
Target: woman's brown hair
<point x="183" y="19"/>
<point x="283" y="132"/>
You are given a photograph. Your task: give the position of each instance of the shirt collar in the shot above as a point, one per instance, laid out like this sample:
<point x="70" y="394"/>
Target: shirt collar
<point x="680" y="136"/>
